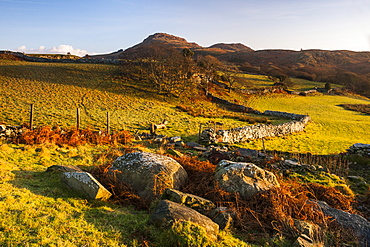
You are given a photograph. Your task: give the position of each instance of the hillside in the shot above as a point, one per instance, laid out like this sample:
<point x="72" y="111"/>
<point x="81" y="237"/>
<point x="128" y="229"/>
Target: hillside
<point x="348" y="68"/>
<point x="37" y="208"/>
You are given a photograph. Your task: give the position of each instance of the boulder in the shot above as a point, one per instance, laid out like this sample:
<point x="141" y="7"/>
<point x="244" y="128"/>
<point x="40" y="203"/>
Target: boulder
<point x="167" y="213"/>
<point x="149" y="174"/>
<point x="197" y="203"/>
<point x="87" y="184"/>
<point x="244" y="178"/>
<point x="353" y="222"/>
<point x="223" y="216"/>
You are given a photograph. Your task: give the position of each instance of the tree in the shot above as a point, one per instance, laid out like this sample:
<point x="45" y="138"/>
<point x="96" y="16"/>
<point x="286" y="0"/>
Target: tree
<point x="207" y="67"/>
<point x="164" y="68"/>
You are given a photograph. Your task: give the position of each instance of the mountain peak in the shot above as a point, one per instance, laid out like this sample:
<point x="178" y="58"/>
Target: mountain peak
<point x="170" y="39"/>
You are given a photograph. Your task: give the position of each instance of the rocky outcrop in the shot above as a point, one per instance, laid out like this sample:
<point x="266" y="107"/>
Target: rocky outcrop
<point x="87" y="184"/>
<point x="258" y="131"/>
<point x="244" y="178"/>
<point x="167" y="213"/>
<point x="149" y="174"/>
<point x="352" y="222"/>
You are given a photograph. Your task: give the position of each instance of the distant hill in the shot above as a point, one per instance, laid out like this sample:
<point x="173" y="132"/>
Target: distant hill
<point x="348" y="68"/>
<point x="237" y="47"/>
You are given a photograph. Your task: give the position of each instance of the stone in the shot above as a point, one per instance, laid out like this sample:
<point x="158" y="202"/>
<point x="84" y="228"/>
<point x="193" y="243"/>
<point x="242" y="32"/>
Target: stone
<point x="309" y="234"/>
<point x="175" y="139"/>
<point x="63" y="168"/>
<point x="87" y="184"/>
<point x="149" y="174"/>
<point x="202" y="149"/>
<point x="167" y="213"/>
<point x="223" y="216"/>
<point x="244" y="178"/>
<point x="197" y="203"/>
<point x="353" y="222"/>
<point x="179" y="144"/>
<point x="192" y="144"/>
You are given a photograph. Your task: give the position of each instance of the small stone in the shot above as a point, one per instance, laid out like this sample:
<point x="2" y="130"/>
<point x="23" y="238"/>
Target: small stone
<point x="87" y="184"/>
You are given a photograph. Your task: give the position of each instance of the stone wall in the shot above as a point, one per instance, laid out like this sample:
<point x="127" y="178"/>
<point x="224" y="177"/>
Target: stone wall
<point x="258" y="131"/>
<point x="360" y="149"/>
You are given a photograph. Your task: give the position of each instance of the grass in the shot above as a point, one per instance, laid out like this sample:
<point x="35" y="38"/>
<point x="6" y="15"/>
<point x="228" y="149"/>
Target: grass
<point x="36" y="209"/>
<point x="332" y="130"/>
<point x="57" y="89"/>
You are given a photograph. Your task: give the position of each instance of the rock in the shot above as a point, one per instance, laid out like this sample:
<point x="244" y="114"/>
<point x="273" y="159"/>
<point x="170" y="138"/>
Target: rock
<point x="353" y="222"/>
<point x="247" y="153"/>
<point x="359" y="149"/>
<point x="244" y="178"/>
<point x="63" y="168"/>
<point x="87" y="184"/>
<point x="310" y="234"/>
<point x="179" y="144"/>
<point x="197" y="203"/>
<point x="202" y="149"/>
<point x="167" y="213"/>
<point x="223" y="216"/>
<point x="193" y="144"/>
<point x="149" y="174"/>
<point x="175" y="139"/>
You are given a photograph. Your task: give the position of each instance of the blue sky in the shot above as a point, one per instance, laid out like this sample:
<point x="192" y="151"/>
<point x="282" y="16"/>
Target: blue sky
<point x="102" y="26"/>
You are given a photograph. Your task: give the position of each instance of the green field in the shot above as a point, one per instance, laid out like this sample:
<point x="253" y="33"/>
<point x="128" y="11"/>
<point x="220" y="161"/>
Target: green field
<point x="57" y="90"/>
<point x="332" y="130"/>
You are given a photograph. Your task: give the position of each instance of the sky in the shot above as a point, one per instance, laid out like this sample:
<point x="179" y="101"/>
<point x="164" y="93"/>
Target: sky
<point x="102" y="26"/>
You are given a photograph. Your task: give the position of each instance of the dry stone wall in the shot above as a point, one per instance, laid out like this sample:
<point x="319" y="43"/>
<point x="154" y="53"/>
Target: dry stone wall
<point x="258" y="131"/>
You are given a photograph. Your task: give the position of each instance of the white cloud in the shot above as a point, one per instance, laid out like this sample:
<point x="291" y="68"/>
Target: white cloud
<point x="60" y="49"/>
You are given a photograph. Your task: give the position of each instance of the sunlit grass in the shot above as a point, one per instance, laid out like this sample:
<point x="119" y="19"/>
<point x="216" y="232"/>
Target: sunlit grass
<point x="332" y="130"/>
<point x="37" y="209"/>
<point x="57" y="90"/>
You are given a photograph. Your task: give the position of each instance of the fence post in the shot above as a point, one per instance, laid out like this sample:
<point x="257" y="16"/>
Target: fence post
<point x="108" y="123"/>
<point x="200" y="131"/>
<point x="31" y="116"/>
<point x="78" y="119"/>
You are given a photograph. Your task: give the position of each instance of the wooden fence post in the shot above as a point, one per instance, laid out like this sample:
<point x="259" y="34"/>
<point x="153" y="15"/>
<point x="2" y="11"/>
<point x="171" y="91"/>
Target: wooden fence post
<point x="200" y="131"/>
<point x="78" y="119"/>
<point x="108" y="123"/>
<point x="31" y="116"/>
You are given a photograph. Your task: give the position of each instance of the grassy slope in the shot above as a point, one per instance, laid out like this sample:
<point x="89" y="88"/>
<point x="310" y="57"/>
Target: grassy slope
<point x="332" y="129"/>
<point x="58" y="89"/>
<point x="36" y="209"/>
